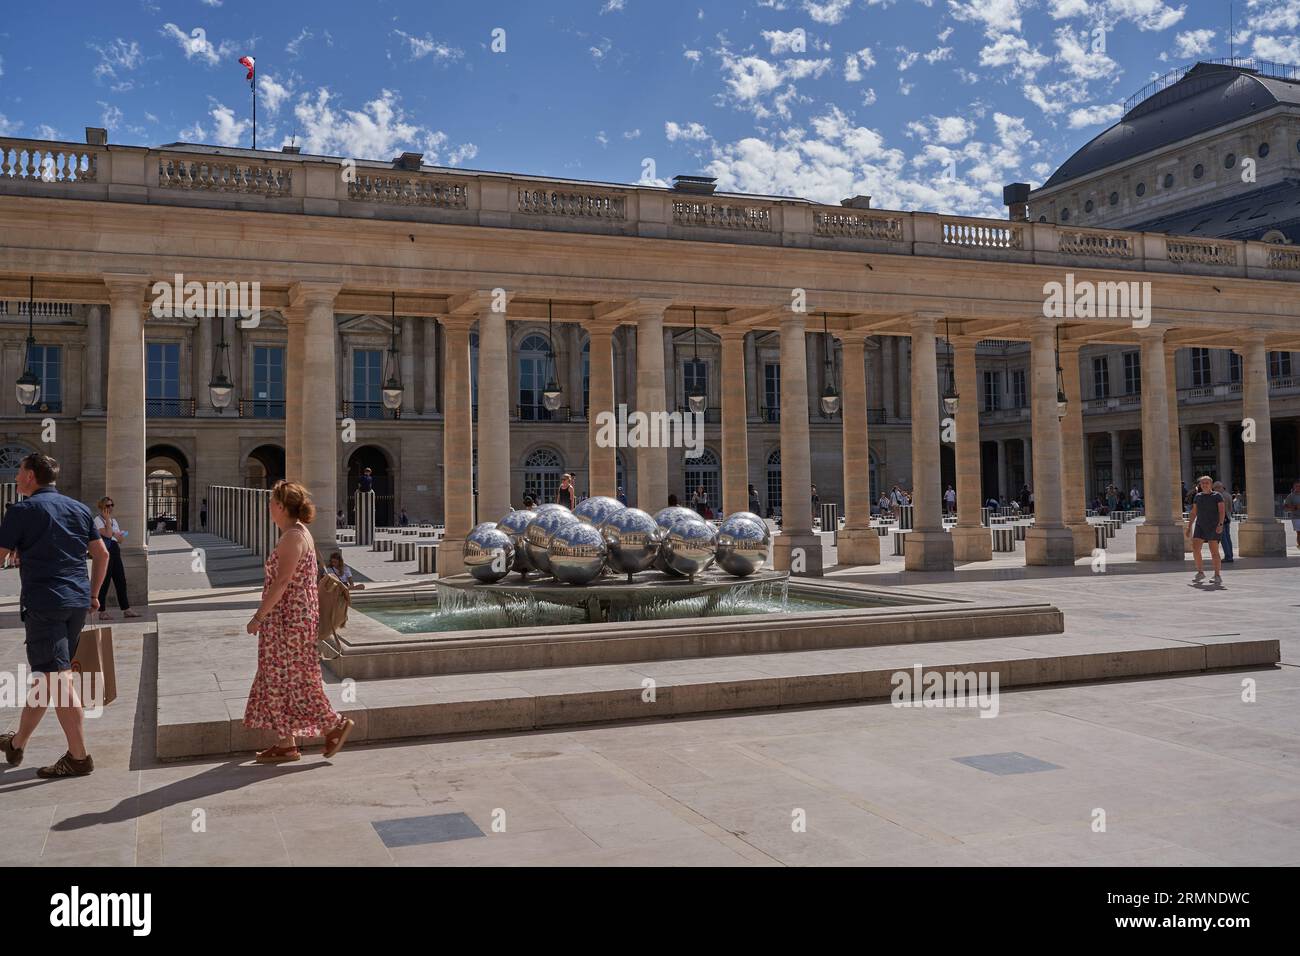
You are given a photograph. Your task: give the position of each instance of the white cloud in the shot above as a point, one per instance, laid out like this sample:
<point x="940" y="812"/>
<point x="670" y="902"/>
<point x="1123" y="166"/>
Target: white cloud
<point x="111" y="117"/>
<point x="228" y="131"/>
<point x="689" y="132"/>
<point x="46" y="131"/>
<point x="1283" y="48"/>
<point x="942" y="53"/>
<point x="294" y="46"/>
<point x="380" y="130"/>
<point x="212" y="3"/>
<point x="8" y="127"/>
<point x="1062" y="9"/>
<point x="869" y="98"/>
<point x="273" y="93"/>
<point x="117" y="56"/>
<point x="196" y="44"/>
<point x="1081" y="61"/>
<point x="602" y="138"/>
<point x="908" y="58"/>
<point x="1007" y="49"/>
<point x="1147" y="14"/>
<point x="1095" y="115"/>
<point x="612" y="6"/>
<point x="632" y="134"/>
<point x="831" y="12"/>
<point x="601" y="49"/>
<point x="785" y="41"/>
<point x="994" y="14"/>
<point x="692" y="55"/>
<point x="751" y="78"/>
<point x="428" y="46"/>
<point x="1193" y="43"/>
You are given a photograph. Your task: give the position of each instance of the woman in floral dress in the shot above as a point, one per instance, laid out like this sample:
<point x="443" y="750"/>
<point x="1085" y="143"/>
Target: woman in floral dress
<point x="288" y="695"/>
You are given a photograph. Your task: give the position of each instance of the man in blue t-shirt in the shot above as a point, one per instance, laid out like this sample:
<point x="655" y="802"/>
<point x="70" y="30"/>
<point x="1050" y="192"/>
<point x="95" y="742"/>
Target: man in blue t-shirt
<point x="49" y="536"/>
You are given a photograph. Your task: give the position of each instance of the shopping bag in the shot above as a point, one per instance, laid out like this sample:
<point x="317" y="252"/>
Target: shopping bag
<point x="94" y="661"/>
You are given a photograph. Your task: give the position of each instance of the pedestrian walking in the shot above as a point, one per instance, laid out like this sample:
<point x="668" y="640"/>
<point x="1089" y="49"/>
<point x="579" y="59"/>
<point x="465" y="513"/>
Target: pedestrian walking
<point x="203" y="515"/>
<point x="950" y="500"/>
<point x="1291" y="505"/>
<point x="1205" y="526"/>
<point x="567" y="495"/>
<point x="113" y="535"/>
<point x="755" y="505"/>
<point x="1226" y="542"/>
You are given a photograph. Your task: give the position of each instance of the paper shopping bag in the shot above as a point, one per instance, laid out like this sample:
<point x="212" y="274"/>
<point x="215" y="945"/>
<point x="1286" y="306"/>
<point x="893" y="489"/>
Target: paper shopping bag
<point x="94" y="661"/>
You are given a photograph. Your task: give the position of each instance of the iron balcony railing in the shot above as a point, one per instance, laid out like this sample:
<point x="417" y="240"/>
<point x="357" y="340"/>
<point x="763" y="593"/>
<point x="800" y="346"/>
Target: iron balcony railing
<point x="169" y="407"/>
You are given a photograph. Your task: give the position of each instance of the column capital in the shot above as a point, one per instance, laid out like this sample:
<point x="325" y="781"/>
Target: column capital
<point x="312" y="292"/>
<point x="1153" y="332"/>
<point x="649" y="306"/>
<point x="477" y="300"/>
<point x="458" y="321"/>
<point x="730" y="333"/>
<point x="1248" y="340"/>
<point x="964" y="343"/>
<point x="856" y="337"/>
<point x="126" y="285"/>
<point x="790" y="318"/>
<point x="925" y="321"/>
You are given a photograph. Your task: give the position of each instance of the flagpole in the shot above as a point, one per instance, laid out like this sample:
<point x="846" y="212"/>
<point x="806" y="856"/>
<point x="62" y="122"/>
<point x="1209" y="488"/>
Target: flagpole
<point x="253" y="84"/>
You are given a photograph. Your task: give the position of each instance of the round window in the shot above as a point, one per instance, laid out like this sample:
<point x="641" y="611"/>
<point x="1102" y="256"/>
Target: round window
<point x="1169" y="180"/>
<point x="1230" y="160"/>
<point x="1087" y="207"/>
<point x="1065" y="215"/>
<point x="1114" y="198"/>
<point x="1141" y="189"/>
<point x="1198" y="171"/>
<point x="1263" y="150"/>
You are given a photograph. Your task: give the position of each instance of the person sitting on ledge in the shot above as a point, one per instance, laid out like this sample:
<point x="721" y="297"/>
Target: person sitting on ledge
<point x="338" y="569"/>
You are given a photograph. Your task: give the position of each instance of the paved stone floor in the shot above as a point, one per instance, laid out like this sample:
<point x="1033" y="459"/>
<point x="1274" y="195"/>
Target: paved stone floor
<point x="1184" y="771"/>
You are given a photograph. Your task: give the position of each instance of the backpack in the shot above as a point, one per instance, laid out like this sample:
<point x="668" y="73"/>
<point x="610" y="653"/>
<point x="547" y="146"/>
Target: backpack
<point x="335" y="599"/>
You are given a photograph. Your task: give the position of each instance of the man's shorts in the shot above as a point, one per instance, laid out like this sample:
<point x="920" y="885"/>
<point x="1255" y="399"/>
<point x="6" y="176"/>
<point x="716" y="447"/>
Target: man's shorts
<point x="1295" y="523"/>
<point x="52" y="638"/>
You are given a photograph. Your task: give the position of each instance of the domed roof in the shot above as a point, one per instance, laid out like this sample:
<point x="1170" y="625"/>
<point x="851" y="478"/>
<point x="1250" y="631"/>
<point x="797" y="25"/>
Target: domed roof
<point x="1207" y="96"/>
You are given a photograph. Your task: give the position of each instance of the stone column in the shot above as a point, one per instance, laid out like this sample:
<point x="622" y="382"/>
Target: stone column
<point x="296" y="320"/>
<point x="735" y="429"/>
<point x="493" y="415"/>
<point x="1002" y="469"/>
<point x="201" y="393"/>
<point x="929" y="547"/>
<point x="429" y="363"/>
<point x="457" y="444"/>
<point x="1159" y="537"/>
<point x="1177" y="473"/>
<point x="1028" y="457"/>
<point x="406" y="342"/>
<point x="796" y="548"/>
<point x="753" y="379"/>
<point x="124" y="439"/>
<point x="971" y="541"/>
<point x="905" y="359"/>
<point x="858" y="543"/>
<point x="1117" y="467"/>
<point x="602" y="453"/>
<point x="1074" y="502"/>
<point x="890" y="376"/>
<point x="1048" y="541"/>
<point x="94" y="401"/>
<point x="1185" y="462"/>
<point x="1260" y="535"/>
<point x="651" y="463"/>
<point x="319" y="421"/>
<point x="1225" y="456"/>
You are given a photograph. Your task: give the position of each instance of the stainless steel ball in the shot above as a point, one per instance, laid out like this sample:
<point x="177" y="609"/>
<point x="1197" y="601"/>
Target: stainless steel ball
<point x="668" y="516"/>
<point x="633" y="539"/>
<point x="689" y="546"/>
<point x="537" y="535"/>
<point x="551" y="506"/>
<point x="577" y="553"/>
<point x="757" y="519"/>
<point x="596" y="511"/>
<point x="489" y="553"/>
<point x="742" y="545"/>
<point x="514" y="524"/>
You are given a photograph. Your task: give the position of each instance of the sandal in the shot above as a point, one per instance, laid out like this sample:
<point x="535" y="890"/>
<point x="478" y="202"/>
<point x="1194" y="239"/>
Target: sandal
<point x="278" y="754"/>
<point x="337" y="737"/>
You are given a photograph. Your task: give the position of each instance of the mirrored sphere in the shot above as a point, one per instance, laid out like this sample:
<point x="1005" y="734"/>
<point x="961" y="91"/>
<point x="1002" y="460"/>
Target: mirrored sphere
<point x="551" y="506"/>
<point x="689" y="546"/>
<point x="489" y="553"/>
<point x="577" y="553"/>
<point x="747" y="514"/>
<point x="633" y="538"/>
<point x="742" y="545"/>
<point x="596" y="511"/>
<point x="537" y="535"/>
<point x="668" y="516"/>
<point x="514" y="524"/>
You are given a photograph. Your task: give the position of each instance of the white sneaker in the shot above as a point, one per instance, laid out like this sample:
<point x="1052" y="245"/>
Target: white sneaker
<point x="1199" y="577"/>
<point x="1217" y="579"/>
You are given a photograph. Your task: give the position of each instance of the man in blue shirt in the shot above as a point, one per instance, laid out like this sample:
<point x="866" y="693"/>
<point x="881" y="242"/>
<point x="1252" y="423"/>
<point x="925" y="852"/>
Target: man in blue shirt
<point x="51" y="535"/>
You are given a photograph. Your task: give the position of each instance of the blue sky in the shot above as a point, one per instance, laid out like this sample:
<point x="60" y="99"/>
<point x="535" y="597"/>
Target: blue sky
<point x="922" y="104"/>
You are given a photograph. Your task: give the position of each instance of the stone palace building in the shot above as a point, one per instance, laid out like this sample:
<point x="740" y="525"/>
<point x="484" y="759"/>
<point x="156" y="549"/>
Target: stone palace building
<point x="483" y="295"/>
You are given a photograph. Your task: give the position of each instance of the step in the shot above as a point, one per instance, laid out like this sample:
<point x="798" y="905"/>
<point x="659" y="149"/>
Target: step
<point x="200" y="706"/>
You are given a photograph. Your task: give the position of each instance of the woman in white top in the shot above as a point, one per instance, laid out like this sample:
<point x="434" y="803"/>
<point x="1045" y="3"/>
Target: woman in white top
<point x="109" y="530"/>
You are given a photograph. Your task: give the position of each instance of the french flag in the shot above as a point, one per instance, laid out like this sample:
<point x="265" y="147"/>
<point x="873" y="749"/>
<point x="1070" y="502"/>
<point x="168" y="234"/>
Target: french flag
<point x="251" y="64"/>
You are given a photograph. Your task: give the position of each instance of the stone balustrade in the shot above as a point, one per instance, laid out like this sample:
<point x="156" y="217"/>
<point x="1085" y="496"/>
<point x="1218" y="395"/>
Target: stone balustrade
<point x="367" y="189"/>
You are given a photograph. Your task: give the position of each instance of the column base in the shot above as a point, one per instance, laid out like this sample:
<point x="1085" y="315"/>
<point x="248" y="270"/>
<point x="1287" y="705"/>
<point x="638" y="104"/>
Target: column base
<point x="1085" y="539"/>
<point x="135" y="561"/>
<point x="1160" y="542"/>
<point x="803" y="550"/>
<point x="928" y="551"/>
<point x="451" y="557"/>
<point x="858" y="546"/>
<point x="1050" y="546"/>
<point x="1261" y="539"/>
<point x="972" y="544"/>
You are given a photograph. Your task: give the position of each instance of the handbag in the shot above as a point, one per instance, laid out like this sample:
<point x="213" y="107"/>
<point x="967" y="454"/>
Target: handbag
<point x="94" y="658"/>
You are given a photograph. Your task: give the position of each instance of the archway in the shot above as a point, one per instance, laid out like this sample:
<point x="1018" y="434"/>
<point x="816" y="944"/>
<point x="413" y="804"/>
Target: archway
<point x="167" y="489"/>
<point x="264" y="466"/>
<point x="542" y="470"/>
<point x="705" y="472"/>
<point x="376" y="459"/>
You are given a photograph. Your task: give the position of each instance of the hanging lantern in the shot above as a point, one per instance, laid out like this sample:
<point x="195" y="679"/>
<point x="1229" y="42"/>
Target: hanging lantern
<point x="552" y="395"/>
<point x="950" y="396"/>
<point x="830" y="397"/>
<point x="1062" y="403"/>
<point x="697" y="399"/>
<point x="28" y="386"/>
<point x="392" y="391"/>
<point x="220" y="389"/>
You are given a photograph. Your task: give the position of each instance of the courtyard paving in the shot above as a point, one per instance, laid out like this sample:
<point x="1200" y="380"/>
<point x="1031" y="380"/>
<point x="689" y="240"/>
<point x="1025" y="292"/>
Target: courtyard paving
<point x="1181" y="770"/>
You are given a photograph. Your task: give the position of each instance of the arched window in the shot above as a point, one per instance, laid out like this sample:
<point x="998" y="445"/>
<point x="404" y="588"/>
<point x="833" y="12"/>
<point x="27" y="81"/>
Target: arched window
<point x="542" y="471"/>
<point x="773" y="483"/>
<point x="533" y="368"/>
<point x="704" y="471"/>
<point x="10" y="458"/>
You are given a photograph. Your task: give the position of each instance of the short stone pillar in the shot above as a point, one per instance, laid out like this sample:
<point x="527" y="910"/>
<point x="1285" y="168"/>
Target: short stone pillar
<point x="364" y="502"/>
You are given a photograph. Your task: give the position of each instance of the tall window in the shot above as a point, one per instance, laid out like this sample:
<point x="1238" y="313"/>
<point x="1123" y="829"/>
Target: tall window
<point x="367" y="383"/>
<point x="1201" y="373"/>
<point x="1279" y="364"/>
<point x="542" y="471"/>
<point x="268" y="381"/>
<point x="586" y="378"/>
<point x="47" y="362"/>
<point x="533" y="352"/>
<point x="695" y="375"/>
<point x="773" y="483"/>
<point x="162" y="378"/>
<point x="1132" y="373"/>
<point x="1234" y="367"/>
<point x="704" y="471"/>
<point x="772" y="392"/>
<point x="1019" y="396"/>
<point x="992" y="391"/>
<point x="1101" y="377"/>
<point x="473" y="372"/>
